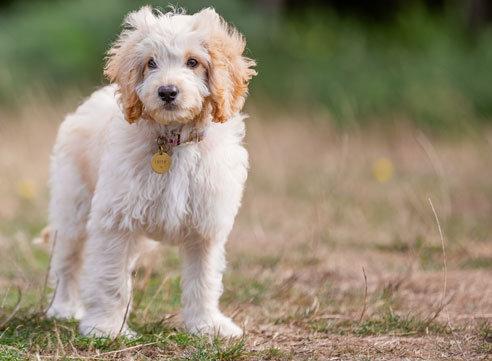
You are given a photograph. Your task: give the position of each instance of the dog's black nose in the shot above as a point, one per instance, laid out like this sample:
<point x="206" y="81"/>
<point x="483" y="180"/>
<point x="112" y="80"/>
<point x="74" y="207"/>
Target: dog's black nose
<point x="168" y="93"/>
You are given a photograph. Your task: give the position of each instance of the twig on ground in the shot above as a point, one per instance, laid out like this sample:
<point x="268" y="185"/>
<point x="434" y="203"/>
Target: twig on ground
<point x="52" y="298"/>
<point x="332" y="317"/>
<point x="143" y="290"/>
<point x="167" y="317"/>
<point x="43" y="292"/>
<point x="431" y="153"/>
<point x="5" y="298"/>
<point x="286" y="285"/>
<point x="73" y="348"/>
<point x="57" y="334"/>
<point x="16" y="309"/>
<point x="155" y="295"/>
<point x="126" y="349"/>
<point x="99" y="356"/>
<point x="445" y="270"/>
<point x="365" y="296"/>
<point x="443" y="253"/>
<point x="236" y="311"/>
<point x="436" y="314"/>
<point x="314" y="308"/>
<point x="31" y="345"/>
<point x="124" y="318"/>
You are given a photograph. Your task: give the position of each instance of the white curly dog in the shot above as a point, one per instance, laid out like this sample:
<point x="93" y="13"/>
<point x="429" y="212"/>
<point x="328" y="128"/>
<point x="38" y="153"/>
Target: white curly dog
<point x="156" y="155"/>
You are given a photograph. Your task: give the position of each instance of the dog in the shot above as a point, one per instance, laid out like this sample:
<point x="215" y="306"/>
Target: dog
<point x="158" y="155"/>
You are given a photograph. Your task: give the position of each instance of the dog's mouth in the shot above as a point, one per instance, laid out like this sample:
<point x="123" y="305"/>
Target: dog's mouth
<point x="167" y="112"/>
<point x="170" y="107"/>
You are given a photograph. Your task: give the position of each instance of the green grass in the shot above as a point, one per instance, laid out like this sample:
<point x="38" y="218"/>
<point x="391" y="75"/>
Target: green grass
<point x="397" y="246"/>
<point x="215" y="350"/>
<point x="30" y="333"/>
<point x="485" y="331"/>
<point x="274" y="353"/>
<point x="479" y="262"/>
<point x="244" y="289"/>
<point x="386" y="324"/>
<point x="391" y="323"/>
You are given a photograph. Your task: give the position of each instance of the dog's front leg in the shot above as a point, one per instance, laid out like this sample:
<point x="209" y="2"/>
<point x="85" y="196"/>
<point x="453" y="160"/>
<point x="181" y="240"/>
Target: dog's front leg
<point x="201" y="284"/>
<point x="106" y="283"/>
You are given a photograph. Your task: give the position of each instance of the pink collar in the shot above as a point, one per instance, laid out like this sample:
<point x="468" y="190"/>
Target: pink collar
<point x="175" y="138"/>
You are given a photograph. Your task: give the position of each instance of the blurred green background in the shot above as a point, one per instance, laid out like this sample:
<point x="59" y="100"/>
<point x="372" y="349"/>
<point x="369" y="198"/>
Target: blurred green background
<point x="357" y="62"/>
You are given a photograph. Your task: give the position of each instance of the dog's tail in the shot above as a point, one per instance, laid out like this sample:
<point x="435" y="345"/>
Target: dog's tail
<point x="45" y="239"/>
<point x="144" y="258"/>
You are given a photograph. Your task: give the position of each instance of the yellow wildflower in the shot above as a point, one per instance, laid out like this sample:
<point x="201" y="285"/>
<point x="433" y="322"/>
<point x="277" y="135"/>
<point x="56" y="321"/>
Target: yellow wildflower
<point x="382" y="170"/>
<point x="27" y="188"/>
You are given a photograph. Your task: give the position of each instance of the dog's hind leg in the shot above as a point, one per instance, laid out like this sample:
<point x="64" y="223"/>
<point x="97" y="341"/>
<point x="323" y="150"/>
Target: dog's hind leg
<point x="69" y="209"/>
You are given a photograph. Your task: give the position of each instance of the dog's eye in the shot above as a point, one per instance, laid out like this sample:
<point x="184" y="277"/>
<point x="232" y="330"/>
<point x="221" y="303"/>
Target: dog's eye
<point x="151" y="64"/>
<point x="192" y="62"/>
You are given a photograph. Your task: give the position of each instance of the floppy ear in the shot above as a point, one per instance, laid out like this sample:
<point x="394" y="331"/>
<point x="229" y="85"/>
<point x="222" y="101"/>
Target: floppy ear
<point x="229" y="71"/>
<point x="124" y="67"/>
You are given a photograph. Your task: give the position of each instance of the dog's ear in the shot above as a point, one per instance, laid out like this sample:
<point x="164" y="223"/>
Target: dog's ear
<point x="123" y="65"/>
<point x="229" y="71"/>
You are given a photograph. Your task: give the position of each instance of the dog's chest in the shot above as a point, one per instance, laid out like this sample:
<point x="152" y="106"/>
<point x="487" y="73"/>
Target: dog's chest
<point x="160" y="203"/>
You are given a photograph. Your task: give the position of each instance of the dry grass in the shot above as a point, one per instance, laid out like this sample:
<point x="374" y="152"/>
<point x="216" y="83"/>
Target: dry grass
<point x="314" y="217"/>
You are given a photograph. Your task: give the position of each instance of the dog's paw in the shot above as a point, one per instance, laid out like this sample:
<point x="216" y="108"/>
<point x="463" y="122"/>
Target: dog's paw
<point x="111" y="331"/>
<point x="65" y="311"/>
<point x="219" y="324"/>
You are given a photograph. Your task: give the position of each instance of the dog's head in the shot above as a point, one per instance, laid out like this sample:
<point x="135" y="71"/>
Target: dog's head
<point x="179" y="68"/>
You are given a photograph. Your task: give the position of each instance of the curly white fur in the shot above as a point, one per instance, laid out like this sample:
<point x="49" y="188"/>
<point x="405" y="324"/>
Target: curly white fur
<point x="106" y="199"/>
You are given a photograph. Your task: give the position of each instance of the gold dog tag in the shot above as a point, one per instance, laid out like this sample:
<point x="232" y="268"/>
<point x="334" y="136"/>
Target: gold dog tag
<point x="160" y="162"/>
